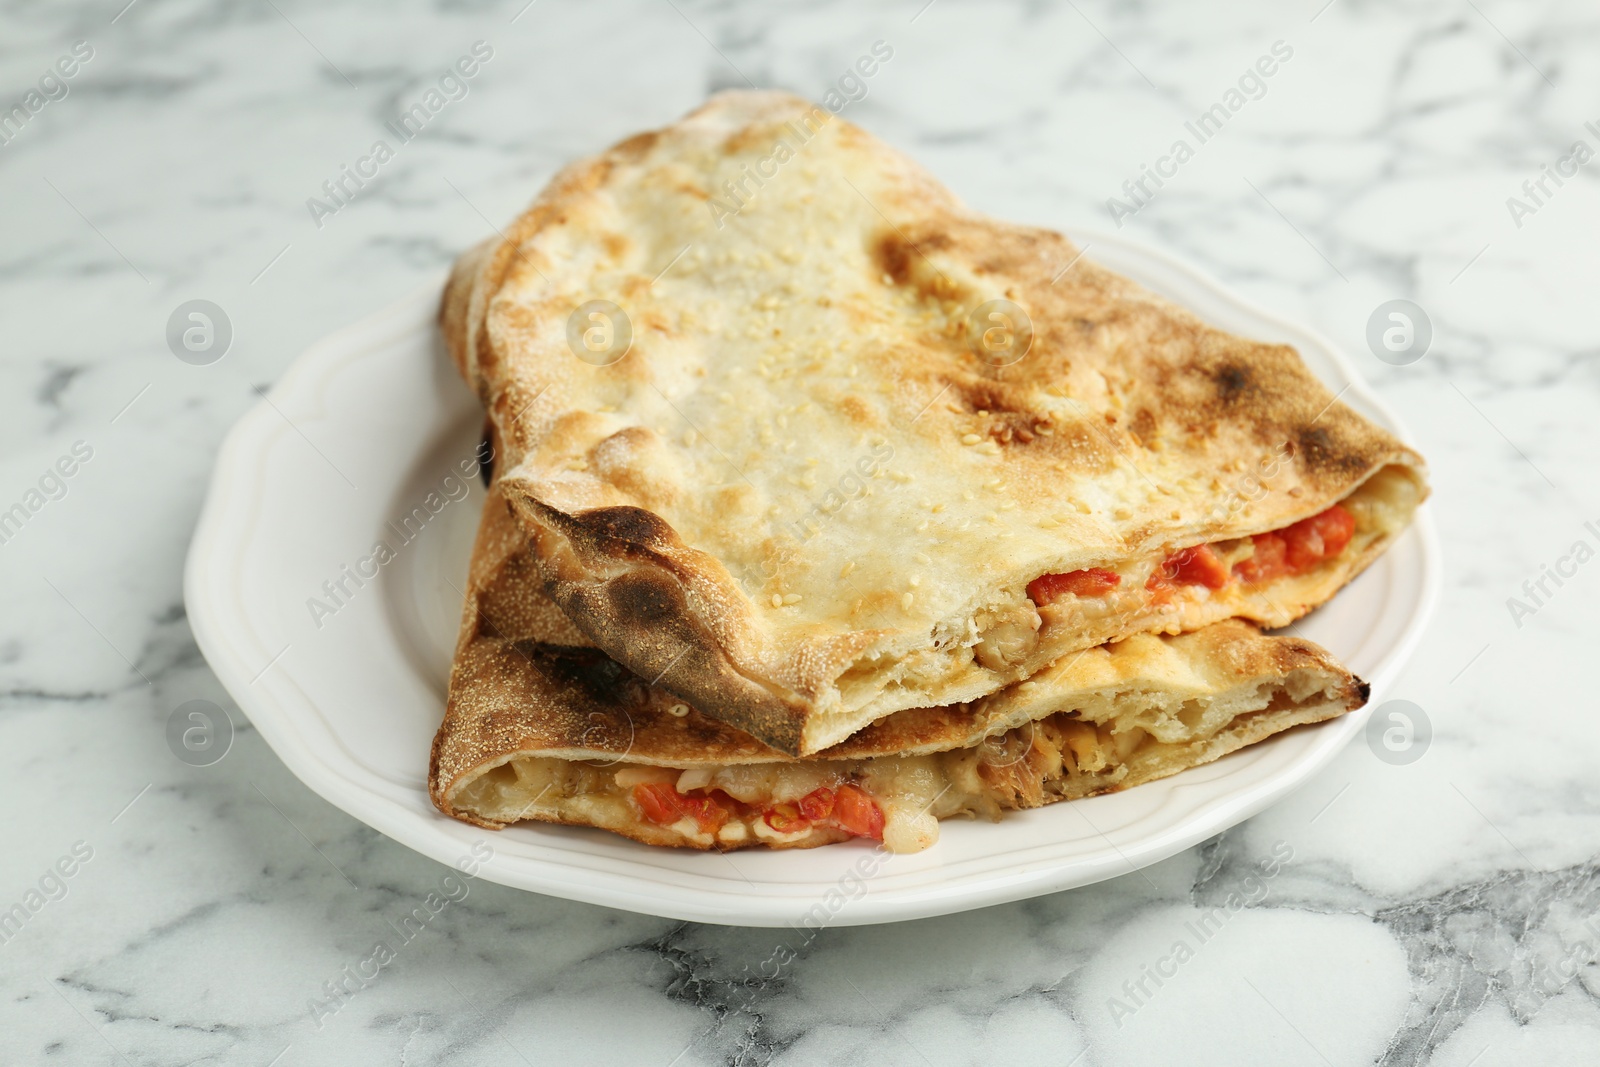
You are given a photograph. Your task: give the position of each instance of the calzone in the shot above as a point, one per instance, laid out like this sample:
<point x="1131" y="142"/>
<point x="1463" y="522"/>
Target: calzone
<point x="802" y="440"/>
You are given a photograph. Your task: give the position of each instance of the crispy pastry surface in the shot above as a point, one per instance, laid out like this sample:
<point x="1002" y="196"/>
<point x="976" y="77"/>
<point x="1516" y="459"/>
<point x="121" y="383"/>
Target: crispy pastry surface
<point x="804" y="499"/>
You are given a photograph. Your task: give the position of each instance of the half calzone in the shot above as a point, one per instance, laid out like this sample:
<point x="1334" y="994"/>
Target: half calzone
<point x="542" y="726"/>
<point x="805" y="441"/>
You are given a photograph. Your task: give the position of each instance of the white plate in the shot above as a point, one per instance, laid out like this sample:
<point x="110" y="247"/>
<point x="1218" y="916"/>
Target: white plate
<point x="363" y="425"/>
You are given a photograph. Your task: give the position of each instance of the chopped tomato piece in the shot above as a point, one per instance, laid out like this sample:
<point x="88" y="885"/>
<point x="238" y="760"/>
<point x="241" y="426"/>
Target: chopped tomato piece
<point x="1310" y="541"/>
<point x="1191" y="566"/>
<point x="664" y="805"/>
<point x="1091" y="582"/>
<point x="660" y="802"/>
<point x="817" y="804"/>
<point x="786" y="819"/>
<point x="1269" y="561"/>
<point x="707" y="812"/>
<point x="731" y="803"/>
<point x="857" y="813"/>
<point x="1297" y="548"/>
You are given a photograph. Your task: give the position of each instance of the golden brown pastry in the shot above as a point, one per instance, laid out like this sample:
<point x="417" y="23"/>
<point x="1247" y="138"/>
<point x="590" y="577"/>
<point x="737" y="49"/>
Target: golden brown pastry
<point x="542" y="726"/>
<point x="815" y="474"/>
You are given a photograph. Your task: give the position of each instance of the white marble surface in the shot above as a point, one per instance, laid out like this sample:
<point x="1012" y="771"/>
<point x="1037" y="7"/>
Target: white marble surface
<point x="1429" y="911"/>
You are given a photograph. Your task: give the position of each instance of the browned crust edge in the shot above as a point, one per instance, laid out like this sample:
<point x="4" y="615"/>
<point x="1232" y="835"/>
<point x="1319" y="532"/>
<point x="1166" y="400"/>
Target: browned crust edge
<point x="644" y="608"/>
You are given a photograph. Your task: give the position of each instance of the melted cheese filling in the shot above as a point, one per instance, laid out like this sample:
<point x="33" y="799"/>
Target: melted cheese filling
<point x="1014" y="637"/>
<point x="1060" y="756"/>
<point x="1380" y="506"/>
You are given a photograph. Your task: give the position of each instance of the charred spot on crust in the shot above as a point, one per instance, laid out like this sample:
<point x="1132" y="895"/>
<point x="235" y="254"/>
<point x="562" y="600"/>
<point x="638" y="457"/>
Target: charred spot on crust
<point x="645" y="596"/>
<point x="1364" y="689"/>
<point x="1011" y="430"/>
<point x="679" y="657"/>
<point x="626" y="523"/>
<point x="985" y="394"/>
<point x="893" y="254"/>
<point x="1009" y="419"/>
<point x="1232" y="380"/>
<point x="1323" y="451"/>
<point x="485" y="455"/>
<point x="601" y="679"/>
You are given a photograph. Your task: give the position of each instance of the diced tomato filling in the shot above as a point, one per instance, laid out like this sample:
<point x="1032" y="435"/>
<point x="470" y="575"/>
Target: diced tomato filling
<point x="1296" y="549"/>
<point x="1310" y="541"/>
<point x="732" y="803"/>
<point x="1292" y="550"/>
<point x="707" y="812"/>
<point x="1092" y="582"/>
<point x="850" y="808"/>
<point x="856" y="812"/>
<point x="660" y="802"/>
<point x="817" y="804"/>
<point x="1191" y="566"/>
<point x="1268" y="561"/>
<point x="664" y="805"/>
<point x="786" y="818"/>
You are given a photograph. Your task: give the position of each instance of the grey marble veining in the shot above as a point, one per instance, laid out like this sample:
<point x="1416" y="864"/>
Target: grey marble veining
<point x="1446" y="911"/>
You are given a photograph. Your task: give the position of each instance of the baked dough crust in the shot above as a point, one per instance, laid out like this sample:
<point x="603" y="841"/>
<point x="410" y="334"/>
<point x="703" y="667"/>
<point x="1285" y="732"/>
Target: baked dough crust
<point x="539" y="722"/>
<point x="801" y="501"/>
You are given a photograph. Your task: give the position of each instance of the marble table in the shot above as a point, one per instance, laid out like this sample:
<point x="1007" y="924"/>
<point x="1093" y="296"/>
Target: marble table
<point x="1443" y="911"/>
